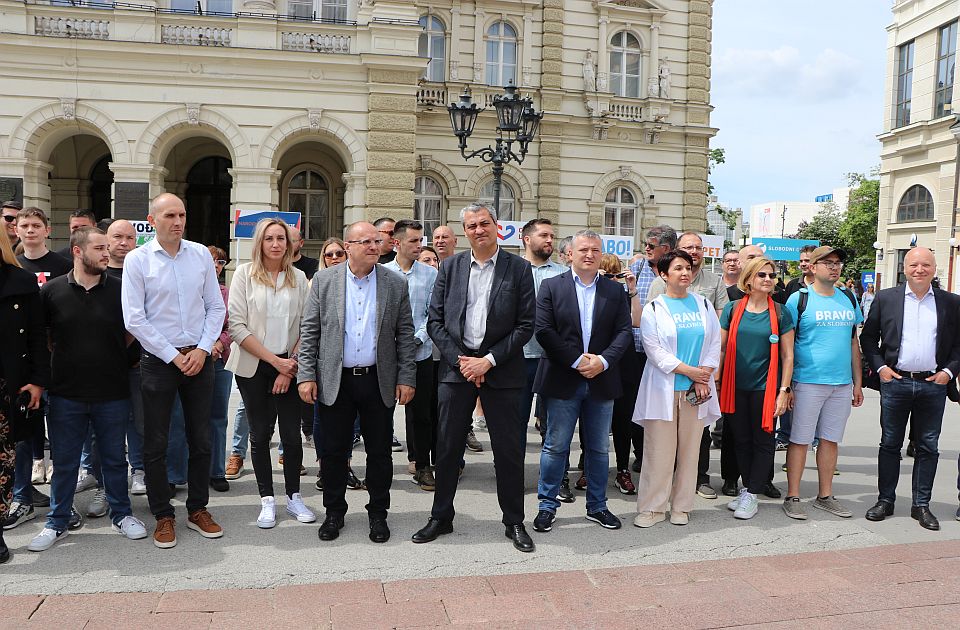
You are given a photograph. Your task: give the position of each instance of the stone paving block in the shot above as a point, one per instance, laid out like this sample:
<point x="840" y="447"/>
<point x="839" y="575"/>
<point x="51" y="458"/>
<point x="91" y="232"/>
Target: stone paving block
<point x="217" y="601"/>
<point x="436" y="589"/>
<point x="90" y="606"/>
<point x="154" y="621"/>
<point x="638" y="576"/>
<point x="290" y="619"/>
<point x="887" y="553"/>
<point x="520" y="606"/>
<point x="19" y="606"/>
<point x="533" y="582"/>
<point x="774" y="583"/>
<point x="896" y="573"/>
<point x="43" y="624"/>
<point x="936" y="549"/>
<point x="720" y="591"/>
<point x="329" y="593"/>
<point x="370" y="616"/>
<point x="592" y="600"/>
<point x="813" y="560"/>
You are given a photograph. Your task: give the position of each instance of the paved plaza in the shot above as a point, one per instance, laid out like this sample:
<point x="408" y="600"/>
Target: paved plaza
<point x="578" y="569"/>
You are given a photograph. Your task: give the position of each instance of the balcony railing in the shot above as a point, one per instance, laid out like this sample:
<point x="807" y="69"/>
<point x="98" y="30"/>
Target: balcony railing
<point x="195" y="35"/>
<point x="335" y="43"/>
<point x="78" y="28"/>
<point x="432" y="95"/>
<point x="626" y="110"/>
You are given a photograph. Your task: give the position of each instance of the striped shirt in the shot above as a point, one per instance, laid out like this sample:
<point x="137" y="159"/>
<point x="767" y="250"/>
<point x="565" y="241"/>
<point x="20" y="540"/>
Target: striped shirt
<point x="645" y="277"/>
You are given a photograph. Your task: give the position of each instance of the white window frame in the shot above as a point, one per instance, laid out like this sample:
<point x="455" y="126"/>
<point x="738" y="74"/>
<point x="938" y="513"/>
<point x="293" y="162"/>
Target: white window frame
<point x="618" y="80"/>
<point x="618" y="206"/>
<point x="421" y="195"/>
<point x="436" y="70"/>
<point x="331" y="210"/>
<point x="190" y="6"/>
<point x="496" y="71"/>
<point x="508" y="199"/>
<point x="315" y="9"/>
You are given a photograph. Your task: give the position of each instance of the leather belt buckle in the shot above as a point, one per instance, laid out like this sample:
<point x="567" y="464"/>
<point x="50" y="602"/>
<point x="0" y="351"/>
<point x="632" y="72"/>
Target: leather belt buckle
<point x="186" y="349"/>
<point x="359" y="371"/>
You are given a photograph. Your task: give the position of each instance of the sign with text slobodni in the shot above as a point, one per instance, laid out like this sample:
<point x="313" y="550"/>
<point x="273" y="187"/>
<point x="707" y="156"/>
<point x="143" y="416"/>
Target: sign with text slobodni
<point x="783" y="248"/>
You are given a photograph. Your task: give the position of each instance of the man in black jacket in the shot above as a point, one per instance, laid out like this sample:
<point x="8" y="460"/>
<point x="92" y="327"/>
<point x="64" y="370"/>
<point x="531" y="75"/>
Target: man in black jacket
<point x="911" y="340"/>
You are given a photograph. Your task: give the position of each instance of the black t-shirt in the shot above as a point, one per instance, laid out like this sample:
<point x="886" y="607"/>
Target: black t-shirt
<point x="307" y="265"/>
<point x="793" y="286"/>
<point x="66" y="252"/>
<point x="115" y="272"/>
<point x="49" y="266"/>
<point x="385" y="258"/>
<point x="90" y="362"/>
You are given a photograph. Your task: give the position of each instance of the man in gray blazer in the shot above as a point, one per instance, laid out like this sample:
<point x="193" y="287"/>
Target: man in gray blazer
<point x="357" y="356"/>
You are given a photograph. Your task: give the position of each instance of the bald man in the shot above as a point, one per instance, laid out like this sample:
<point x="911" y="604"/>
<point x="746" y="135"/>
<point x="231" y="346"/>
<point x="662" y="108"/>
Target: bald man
<point x="912" y="341"/>
<point x="121" y="240"/>
<point x="445" y="242"/>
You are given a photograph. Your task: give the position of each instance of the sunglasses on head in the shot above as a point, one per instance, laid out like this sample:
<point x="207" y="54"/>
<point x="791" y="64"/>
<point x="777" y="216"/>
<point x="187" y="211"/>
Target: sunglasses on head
<point x="336" y="254"/>
<point x="767" y="274"/>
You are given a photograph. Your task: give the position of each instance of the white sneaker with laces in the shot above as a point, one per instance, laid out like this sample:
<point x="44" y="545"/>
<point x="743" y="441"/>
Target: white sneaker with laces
<point x="99" y="506"/>
<point x="131" y="527"/>
<point x="748" y="506"/>
<point x="39" y="473"/>
<point x="268" y="513"/>
<point x="735" y="503"/>
<point x="46" y="539"/>
<point x="85" y="481"/>
<point x="138" y="483"/>
<point x="480" y="423"/>
<point x="297" y="509"/>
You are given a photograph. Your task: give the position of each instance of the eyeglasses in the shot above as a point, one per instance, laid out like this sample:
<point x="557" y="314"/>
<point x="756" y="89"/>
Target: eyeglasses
<point x="767" y="274"/>
<point x="387" y="232"/>
<point x="651" y="245"/>
<point x="830" y="264"/>
<point x="692" y="248"/>
<point x="337" y="254"/>
<point x="9" y="218"/>
<point x="367" y="242"/>
<point x="622" y="274"/>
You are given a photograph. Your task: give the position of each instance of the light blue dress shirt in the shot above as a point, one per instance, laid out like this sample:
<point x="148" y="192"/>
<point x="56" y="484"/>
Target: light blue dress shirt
<point x="172" y="301"/>
<point x="532" y="349"/>
<point x="586" y="298"/>
<point x="918" y="340"/>
<point x="360" y="320"/>
<point x="420" y="280"/>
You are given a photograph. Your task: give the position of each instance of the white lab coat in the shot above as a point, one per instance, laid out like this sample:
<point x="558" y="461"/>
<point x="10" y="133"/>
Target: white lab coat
<point x="656" y="393"/>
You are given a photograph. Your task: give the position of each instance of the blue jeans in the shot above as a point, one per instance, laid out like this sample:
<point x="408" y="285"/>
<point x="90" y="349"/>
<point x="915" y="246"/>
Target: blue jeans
<point x="177" y="451"/>
<point x="23" y="473"/>
<point x="135" y="423"/>
<point x="70" y="421"/>
<point x="595" y="417"/>
<point x="222" y="382"/>
<point x="901" y="399"/>
<point x="783" y="427"/>
<point x="241" y="432"/>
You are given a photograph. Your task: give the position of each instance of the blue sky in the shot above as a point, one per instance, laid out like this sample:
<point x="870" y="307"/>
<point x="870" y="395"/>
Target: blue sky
<point x="798" y="94"/>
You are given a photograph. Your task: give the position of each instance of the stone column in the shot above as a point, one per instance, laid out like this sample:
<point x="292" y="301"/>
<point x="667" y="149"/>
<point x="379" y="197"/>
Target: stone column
<point x="698" y="98"/>
<point x="479" y="49"/>
<point x="36" y="185"/>
<point x="455" y="26"/>
<point x="551" y="99"/>
<point x="603" y="56"/>
<point x="391" y="143"/>
<point x="134" y="185"/>
<point x="527" y="65"/>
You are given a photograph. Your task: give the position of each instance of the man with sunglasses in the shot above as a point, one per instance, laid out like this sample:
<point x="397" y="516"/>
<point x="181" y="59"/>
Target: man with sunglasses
<point x="10" y="210"/>
<point x="307" y="264"/>
<point x="385" y="227"/>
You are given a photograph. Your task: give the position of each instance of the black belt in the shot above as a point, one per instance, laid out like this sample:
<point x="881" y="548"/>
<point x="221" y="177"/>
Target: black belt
<point x="917" y="376"/>
<point x="186" y="349"/>
<point x="360" y="371"/>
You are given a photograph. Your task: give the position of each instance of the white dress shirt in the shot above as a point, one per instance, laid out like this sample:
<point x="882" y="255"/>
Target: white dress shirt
<point x="918" y="340"/>
<point x="172" y="301"/>
<point x="276" y="301"/>
<point x="478" y="302"/>
<point x="360" y="320"/>
<point x="586" y="298"/>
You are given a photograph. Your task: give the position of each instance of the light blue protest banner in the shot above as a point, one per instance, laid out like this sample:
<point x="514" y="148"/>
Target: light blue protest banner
<point x="783" y="248"/>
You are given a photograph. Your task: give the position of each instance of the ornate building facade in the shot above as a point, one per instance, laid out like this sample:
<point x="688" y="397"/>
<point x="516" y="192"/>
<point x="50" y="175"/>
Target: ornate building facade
<point x="336" y="109"/>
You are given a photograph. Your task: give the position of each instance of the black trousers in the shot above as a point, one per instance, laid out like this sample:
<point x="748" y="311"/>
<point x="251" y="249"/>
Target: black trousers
<point x="265" y="411"/>
<point x="501" y="409"/>
<point x="754" y="446"/>
<point x="159" y="384"/>
<point x="419" y="417"/>
<point x="625" y="431"/>
<point x="728" y="456"/>
<point x="359" y="394"/>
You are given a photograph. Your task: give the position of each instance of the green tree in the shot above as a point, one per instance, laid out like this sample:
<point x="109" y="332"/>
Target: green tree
<point x="824" y="226"/>
<point x="714" y="157"/>
<point x="858" y="232"/>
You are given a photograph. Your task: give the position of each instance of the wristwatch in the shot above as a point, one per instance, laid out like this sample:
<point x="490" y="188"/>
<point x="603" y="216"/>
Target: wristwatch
<point x="786" y="390"/>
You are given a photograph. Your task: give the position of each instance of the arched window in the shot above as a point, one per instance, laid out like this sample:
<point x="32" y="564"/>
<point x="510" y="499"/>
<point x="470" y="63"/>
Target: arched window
<point x="428" y="203"/>
<point x="508" y="199"/>
<point x="433" y="45"/>
<point x="625" y="65"/>
<point x="501" y="54"/>
<point x="620" y="212"/>
<point x="309" y="194"/>
<point x="915" y="205"/>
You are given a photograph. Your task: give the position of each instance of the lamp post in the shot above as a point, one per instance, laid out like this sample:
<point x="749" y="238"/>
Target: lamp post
<point x="517" y="122"/>
<point x="878" y="246"/>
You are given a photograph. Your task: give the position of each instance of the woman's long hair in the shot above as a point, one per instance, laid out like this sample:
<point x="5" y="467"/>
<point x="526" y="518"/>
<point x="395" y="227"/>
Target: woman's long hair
<point x="6" y="251"/>
<point x="257" y="270"/>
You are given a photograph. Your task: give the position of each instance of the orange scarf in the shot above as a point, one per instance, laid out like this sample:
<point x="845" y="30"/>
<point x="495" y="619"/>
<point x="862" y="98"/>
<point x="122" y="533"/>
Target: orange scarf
<point x="728" y="389"/>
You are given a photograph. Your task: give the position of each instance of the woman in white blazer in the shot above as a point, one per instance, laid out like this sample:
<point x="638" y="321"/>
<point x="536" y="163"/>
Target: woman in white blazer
<point x="267" y="297"/>
<point x="681" y="336"/>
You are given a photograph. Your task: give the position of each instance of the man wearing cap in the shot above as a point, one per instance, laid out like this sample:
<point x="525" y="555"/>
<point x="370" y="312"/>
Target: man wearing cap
<point x="826" y="378"/>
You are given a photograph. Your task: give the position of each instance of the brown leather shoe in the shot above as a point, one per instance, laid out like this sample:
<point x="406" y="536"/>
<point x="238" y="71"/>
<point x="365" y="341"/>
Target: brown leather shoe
<point x="424" y="478"/>
<point x="202" y="523"/>
<point x="234" y="466"/>
<point x="165" y="535"/>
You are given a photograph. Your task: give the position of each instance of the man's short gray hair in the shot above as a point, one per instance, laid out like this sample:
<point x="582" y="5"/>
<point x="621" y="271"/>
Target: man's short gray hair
<point x="476" y="207"/>
<point x="664" y="234"/>
<point x="564" y="244"/>
<point x="586" y="234"/>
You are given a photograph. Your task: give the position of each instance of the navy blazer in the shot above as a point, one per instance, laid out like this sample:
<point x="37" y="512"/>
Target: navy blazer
<point x="558" y="331"/>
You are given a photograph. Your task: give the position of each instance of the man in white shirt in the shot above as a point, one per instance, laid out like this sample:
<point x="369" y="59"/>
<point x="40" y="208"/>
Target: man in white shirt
<point x="173" y="306"/>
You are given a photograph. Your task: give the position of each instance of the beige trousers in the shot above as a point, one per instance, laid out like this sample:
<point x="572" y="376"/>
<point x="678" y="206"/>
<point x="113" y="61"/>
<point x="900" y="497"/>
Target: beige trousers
<point x="671" y="451"/>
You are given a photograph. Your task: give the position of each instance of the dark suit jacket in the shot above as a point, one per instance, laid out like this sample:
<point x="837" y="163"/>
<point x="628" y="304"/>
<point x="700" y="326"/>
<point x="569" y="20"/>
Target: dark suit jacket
<point x="880" y="337"/>
<point x="509" y="318"/>
<point x="558" y="331"/>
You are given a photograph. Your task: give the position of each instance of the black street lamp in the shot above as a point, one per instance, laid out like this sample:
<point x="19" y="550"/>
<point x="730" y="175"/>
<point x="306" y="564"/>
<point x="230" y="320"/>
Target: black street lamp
<point x="517" y="121"/>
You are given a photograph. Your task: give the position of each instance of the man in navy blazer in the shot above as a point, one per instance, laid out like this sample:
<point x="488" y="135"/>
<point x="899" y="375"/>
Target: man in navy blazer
<point x="912" y="341"/>
<point x="583" y="324"/>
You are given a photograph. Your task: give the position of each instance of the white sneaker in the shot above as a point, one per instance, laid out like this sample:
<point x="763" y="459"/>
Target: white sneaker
<point x="308" y="441"/>
<point x="138" y="484"/>
<point x="748" y="506"/>
<point x="131" y="527"/>
<point x="46" y="539"/>
<point x="735" y="503"/>
<point x="297" y="509"/>
<point x="479" y="423"/>
<point x="85" y="481"/>
<point x="99" y="506"/>
<point x="39" y="473"/>
<point x="268" y="513"/>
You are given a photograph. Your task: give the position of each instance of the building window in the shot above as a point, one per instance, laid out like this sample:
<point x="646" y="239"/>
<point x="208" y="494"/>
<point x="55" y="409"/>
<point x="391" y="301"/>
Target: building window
<point x="901" y="255"/>
<point x="915" y="205"/>
<point x="904" y="84"/>
<point x="433" y="46"/>
<point x="625" y="65"/>
<point x="193" y="6"/>
<point x="508" y="199"/>
<point x="501" y="54"/>
<point x="619" y="212"/>
<point x="946" y="62"/>
<point x="309" y="195"/>
<point x="428" y="203"/>
<point x="328" y="10"/>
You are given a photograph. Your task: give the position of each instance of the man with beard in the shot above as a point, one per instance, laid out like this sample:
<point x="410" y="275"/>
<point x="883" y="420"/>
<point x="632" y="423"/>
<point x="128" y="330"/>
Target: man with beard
<point x="89" y="386"/>
<point x="78" y="219"/>
<point x="10" y="210"/>
<point x="304" y="263"/>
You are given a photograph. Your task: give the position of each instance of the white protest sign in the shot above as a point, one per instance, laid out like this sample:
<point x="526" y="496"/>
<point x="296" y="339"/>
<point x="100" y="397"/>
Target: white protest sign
<point x="145" y="232"/>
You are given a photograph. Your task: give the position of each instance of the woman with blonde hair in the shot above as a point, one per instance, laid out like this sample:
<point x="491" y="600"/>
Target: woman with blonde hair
<point x="756" y="338"/>
<point x="332" y="252"/>
<point x="267" y="296"/>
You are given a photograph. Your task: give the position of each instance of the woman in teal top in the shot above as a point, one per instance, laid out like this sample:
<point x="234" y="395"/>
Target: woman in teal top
<point x="757" y="341"/>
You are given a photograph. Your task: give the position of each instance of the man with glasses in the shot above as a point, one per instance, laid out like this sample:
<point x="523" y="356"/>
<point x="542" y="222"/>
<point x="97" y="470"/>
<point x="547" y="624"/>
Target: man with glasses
<point x="10" y="210"/>
<point x="385" y="227"/>
<point x="307" y="264"/>
<point x="731" y="268"/>
<point x="826" y="378"/>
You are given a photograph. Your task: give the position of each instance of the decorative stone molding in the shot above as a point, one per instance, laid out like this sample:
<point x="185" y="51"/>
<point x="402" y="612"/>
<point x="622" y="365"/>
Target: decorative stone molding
<point x="193" y="113"/>
<point x="69" y="108"/>
<point x="28" y="138"/>
<point x="339" y="136"/>
<point x="482" y="173"/>
<point x="313" y="117"/>
<point x="164" y="131"/>
<point x="435" y="168"/>
<point x="622" y="174"/>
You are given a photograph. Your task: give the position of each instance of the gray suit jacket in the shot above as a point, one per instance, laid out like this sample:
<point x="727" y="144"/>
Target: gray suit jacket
<point x="321" y="334"/>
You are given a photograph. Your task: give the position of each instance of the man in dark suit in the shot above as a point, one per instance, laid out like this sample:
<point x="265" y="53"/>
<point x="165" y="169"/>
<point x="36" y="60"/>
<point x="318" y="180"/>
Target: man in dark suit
<point x="583" y="324"/>
<point x="357" y="358"/>
<point x="911" y="340"/>
<point x="481" y="315"/>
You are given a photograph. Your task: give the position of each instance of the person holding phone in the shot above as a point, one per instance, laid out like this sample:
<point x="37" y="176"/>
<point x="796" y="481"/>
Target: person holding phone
<point x="677" y="396"/>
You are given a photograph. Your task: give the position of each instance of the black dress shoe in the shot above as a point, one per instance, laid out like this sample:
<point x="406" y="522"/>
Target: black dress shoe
<point x="911" y="451"/>
<point x="925" y="517"/>
<point x="771" y="491"/>
<point x="379" y="532"/>
<point x="565" y="495"/>
<point x="4" y="551"/>
<point x="521" y="539"/>
<point x="219" y="484"/>
<point x="39" y="499"/>
<point x="880" y="511"/>
<point x="729" y="489"/>
<point x="331" y="527"/>
<point x="432" y="530"/>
